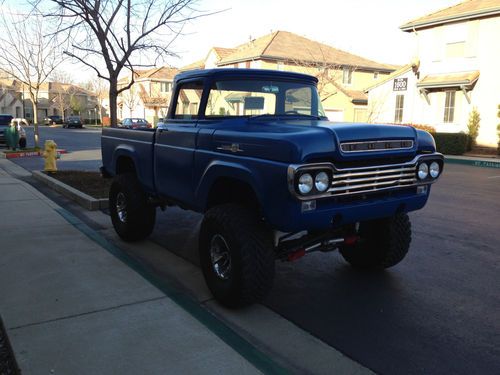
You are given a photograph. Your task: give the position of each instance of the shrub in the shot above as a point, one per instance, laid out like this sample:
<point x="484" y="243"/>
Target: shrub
<point x="451" y="143"/>
<point x="473" y="127"/>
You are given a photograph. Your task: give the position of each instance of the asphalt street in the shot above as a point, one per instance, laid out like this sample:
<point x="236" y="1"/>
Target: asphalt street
<point x="436" y="312"/>
<point x="83" y="146"/>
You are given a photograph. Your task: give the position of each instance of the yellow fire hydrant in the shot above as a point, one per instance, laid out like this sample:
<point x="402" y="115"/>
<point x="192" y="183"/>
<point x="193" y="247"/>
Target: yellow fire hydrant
<point x="50" y="156"/>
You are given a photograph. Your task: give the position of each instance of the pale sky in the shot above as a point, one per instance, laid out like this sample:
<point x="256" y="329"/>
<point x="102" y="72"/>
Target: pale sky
<point x="369" y="28"/>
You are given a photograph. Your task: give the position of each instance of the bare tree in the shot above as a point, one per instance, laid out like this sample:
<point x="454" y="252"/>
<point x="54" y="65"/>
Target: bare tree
<point x="28" y="54"/>
<point x="121" y="34"/>
<point x="330" y="73"/>
<point x="99" y="88"/>
<point x="130" y="99"/>
<point x="62" y="90"/>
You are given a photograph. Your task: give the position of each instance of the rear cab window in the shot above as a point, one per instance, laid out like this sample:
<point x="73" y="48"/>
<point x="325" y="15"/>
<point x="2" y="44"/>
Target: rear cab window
<point x="188" y="100"/>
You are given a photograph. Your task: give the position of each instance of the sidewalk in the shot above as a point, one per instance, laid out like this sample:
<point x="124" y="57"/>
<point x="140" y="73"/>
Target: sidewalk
<point x="475" y="161"/>
<point x="70" y="307"/>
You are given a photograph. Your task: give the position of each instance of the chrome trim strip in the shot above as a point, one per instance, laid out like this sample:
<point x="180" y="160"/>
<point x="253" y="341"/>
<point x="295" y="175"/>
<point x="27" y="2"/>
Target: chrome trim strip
<point x="375" y="184"/>
<point x="377" y="142"/>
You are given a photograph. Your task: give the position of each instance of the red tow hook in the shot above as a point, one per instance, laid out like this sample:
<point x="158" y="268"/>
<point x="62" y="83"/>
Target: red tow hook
<point x="351" y="240"/>
<point x="296" y="255"/>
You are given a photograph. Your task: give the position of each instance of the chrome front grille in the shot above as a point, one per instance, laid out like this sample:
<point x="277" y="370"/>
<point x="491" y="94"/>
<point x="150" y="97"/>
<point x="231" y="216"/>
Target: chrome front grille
<point x="372" y="179"/>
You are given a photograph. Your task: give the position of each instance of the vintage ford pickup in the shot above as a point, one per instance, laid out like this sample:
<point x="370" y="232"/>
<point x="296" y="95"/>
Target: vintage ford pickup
<point x="253" y="151"/>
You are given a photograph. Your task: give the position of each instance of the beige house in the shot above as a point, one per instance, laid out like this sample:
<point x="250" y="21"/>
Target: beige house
<point x="149" y="96"/>
<point x="454" y="71"/>
<point x="10" y="100"/>
<point x="343" y="76"/>
<point x="54" y="98"/>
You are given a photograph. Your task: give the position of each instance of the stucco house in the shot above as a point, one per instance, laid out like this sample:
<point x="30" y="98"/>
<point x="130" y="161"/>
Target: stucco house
<point x="149" y="96"/>
<point x="10" y="101"/>
<point x="343" y="76"/>
<point x="54" y="98"/>
<point x="455" y="70"/>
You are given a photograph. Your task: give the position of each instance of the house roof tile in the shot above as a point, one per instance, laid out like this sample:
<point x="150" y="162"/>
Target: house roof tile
<point x="200" y="64"/>
<point x="462" y="11"/>
<point x="449" y="79"/>
<point x="286" y="46"/>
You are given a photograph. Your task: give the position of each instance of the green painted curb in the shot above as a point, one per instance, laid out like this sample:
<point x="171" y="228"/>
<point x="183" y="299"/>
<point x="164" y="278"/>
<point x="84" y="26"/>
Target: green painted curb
<point x="261" y="361"/>
<point x="474" y="163"/>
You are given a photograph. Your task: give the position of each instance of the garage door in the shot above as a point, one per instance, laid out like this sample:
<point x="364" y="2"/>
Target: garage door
<point x="334" y="114"/>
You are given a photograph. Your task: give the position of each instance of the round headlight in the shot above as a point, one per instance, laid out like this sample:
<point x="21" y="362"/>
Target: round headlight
<point x="434" y="169"/>
<point x="423" y="171"/>
<point x="321" y="181"/>
<point x="305" y="183"/>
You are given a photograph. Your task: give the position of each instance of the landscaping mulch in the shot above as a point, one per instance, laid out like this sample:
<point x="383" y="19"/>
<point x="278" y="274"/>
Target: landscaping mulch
<point x="8" y="364"/>
<point x="90" y="183"/>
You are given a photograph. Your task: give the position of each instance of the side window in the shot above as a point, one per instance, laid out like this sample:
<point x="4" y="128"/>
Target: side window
<point x="188" y="100"/>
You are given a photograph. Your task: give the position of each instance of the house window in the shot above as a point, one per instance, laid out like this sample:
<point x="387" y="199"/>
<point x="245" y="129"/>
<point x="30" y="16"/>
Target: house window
<point x="165" y="86"/>
<point x="375" y="75"/>
<point x="456" y="49"/>
<point x="347" y="76"/>
<point x="449" y="106"/>
<point x="398" y="115"/>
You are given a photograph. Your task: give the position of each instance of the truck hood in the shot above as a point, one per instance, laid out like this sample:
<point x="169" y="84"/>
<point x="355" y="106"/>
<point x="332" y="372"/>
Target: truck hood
<point x="300" y="141"/>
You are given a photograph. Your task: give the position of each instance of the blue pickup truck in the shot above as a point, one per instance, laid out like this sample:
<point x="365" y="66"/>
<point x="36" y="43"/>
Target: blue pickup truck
<point x="254" y="152"/>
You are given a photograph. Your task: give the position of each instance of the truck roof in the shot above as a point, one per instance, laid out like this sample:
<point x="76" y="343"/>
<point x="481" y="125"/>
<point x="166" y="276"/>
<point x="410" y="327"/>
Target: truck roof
<point x="245" y="73"/>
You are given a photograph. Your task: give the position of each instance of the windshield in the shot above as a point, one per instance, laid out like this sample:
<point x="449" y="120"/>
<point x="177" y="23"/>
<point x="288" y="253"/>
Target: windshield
<point x="262" y="97"/>
<point x="5" y="119"/>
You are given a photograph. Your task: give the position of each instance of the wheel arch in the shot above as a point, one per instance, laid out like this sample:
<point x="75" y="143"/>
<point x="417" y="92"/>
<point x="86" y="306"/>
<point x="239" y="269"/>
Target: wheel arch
<point x="228" y="183"/>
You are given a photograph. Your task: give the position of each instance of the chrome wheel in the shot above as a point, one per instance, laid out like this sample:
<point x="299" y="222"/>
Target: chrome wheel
<point x="220" y="257"/>
<point x="121" y="207"/>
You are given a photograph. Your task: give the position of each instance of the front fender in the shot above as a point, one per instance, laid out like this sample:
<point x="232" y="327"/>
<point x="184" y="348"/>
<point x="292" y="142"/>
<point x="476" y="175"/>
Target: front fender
<point x="227" y="169"/>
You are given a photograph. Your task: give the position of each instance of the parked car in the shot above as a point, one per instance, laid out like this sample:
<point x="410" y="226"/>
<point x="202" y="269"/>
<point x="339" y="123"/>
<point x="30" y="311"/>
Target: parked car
<point x="73" y="122"/>
<point x="53" y="120"/>
<point x="135" y="123"/>
<point x="273" y="177"/>
<point x="4" y="124"/>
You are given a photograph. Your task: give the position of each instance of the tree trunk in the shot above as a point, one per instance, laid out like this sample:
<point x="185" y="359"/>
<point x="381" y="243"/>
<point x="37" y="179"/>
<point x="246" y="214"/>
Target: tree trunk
<point x="113" y="98"/>
<point x="35" y="122"/>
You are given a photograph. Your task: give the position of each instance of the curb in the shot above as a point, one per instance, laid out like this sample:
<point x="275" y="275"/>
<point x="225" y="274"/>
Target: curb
<point x="26" y="154"/>
<point x="482" y="163"/>
<point x="84" y="200"/>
